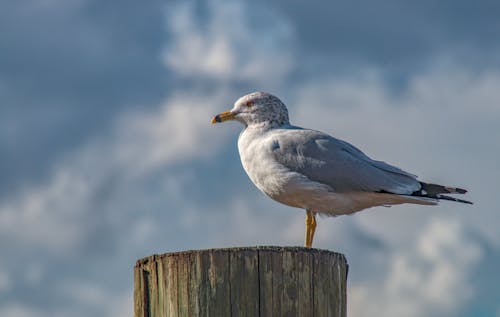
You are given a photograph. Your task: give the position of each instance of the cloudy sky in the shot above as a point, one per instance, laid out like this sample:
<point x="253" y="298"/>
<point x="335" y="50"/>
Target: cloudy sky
<point x="107" y="154"/>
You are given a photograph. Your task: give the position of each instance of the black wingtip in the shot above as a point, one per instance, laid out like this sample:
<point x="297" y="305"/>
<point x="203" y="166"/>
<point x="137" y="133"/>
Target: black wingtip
<point x="435" y="191"/>
<point x="460" y="190"/>
<point x="444" y="197"/>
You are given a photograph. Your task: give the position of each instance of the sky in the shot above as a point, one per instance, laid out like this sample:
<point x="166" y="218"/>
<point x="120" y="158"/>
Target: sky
<point x="107" y="154"/>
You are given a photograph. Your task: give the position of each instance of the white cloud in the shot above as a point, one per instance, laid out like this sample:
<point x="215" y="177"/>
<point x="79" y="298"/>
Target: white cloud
<point x="179" y="130"/>
<point x="254" y="47"/>
<point x="93" y="188"/>
<point x="439" y="128"/>
<point x="55" y="214"/>
<point x="19" y="310"/>
<point x="46" y="216"/>
<point x="94" y="297"/>
<point x="431" y="278"/>
<point x="5" y="281"/>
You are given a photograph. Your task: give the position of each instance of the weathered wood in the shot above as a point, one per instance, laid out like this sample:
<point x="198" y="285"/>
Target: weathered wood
<point x="259" y="281"/>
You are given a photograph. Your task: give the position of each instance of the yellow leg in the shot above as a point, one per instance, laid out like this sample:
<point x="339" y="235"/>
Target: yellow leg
<point x="310" y="228"/>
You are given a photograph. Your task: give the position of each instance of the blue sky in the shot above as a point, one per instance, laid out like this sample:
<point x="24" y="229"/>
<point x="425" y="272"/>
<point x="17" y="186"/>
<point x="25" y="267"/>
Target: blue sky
<point x="107" y="154"/>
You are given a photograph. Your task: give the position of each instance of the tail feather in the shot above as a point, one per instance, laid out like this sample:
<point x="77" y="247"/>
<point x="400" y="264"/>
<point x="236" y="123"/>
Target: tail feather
<point x="444" y="197"/>
<point x="435" y="191"/>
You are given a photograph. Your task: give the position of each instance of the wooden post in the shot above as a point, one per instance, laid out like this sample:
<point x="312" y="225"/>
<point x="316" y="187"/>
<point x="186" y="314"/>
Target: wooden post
<point x="257" y="281"/>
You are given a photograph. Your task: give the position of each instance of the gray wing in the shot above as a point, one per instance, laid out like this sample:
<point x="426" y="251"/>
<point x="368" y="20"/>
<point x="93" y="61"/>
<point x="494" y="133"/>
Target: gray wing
<point x="340" y="165"/>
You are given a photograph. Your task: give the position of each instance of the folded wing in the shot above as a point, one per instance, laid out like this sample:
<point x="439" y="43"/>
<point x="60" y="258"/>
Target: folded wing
<point x="338" y="164"/>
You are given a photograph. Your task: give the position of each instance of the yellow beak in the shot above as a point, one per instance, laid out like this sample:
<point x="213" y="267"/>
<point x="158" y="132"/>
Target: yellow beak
<point x="224" y="116"/>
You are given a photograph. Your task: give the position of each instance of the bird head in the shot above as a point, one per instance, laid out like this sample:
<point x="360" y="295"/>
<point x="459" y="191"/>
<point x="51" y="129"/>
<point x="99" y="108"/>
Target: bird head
<point x="257" y="108"/>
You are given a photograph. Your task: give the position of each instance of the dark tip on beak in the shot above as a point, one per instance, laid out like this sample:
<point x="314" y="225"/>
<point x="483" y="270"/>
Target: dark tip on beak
<point x="224" y="116"/>
<point x="216" y="119"/>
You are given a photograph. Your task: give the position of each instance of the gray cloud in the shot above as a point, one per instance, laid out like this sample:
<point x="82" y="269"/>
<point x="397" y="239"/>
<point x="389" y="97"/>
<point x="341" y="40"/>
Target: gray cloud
<point x="398" y="37"/>
<point x="67" y="68"/>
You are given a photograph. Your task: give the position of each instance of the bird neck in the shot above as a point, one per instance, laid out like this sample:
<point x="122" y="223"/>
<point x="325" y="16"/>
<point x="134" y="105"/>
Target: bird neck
<point x="266" y="125"/>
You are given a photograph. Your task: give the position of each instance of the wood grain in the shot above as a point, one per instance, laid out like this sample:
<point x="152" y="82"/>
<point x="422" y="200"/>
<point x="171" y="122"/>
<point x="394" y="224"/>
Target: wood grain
<point x="257" y="281"/>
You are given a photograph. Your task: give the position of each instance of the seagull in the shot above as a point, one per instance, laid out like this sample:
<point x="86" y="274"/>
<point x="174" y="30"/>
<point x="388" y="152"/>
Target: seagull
<point x="312" y="170"/>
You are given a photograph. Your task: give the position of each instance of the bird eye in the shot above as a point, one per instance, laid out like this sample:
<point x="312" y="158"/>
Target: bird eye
<point x="249" y="104"/>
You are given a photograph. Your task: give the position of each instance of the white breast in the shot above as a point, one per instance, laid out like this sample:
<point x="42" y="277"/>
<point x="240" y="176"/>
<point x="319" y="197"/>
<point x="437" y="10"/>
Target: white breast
<point x="272" y="178"/>
<point x="255" y="149"/>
